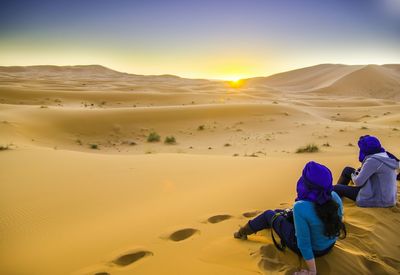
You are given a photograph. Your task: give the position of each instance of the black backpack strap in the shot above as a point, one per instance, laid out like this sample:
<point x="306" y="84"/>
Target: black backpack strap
<point x="281" y="246"/>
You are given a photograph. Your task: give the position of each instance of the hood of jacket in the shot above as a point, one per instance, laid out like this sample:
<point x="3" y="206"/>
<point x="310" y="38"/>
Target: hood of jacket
<point x="392" y="163"/>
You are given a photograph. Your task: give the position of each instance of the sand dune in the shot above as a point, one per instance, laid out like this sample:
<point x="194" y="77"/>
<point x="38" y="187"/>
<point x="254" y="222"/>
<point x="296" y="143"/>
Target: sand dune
<point x="370" y="81"/>
<point x="48" y="69"/>
<point x="306" y="79"/>
<point x="83" y="191"/>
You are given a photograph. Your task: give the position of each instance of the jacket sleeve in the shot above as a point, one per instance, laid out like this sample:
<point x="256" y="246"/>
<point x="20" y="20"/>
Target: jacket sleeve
<point x="302" y="232"/>
<point x="367" y="170"/>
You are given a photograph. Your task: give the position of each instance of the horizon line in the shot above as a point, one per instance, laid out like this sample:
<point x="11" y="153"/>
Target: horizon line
<point x="194" y="78"/>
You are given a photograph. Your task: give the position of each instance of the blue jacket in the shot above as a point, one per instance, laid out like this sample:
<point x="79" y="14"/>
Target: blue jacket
<point x="310" y="229"/>
<point x="378" y="180"/>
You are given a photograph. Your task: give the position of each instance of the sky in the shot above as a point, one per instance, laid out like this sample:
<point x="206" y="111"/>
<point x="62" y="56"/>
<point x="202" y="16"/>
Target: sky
<point x="215" y="39"/>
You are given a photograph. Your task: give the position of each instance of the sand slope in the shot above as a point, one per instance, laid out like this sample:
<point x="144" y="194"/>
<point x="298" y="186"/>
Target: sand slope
<point x="86" y="211"/>
<point x="306" y="79"/>
<point x="370" y="81"/>
<point x="128" y="206"/>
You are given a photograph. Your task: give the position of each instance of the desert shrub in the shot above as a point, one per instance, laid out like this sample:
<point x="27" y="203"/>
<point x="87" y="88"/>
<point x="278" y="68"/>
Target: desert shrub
<point x="200" y="128"/>
<point x="4" y="147"/>
<point x="326" y="144"/>
<point x="153" y="137"/>
<point x="253" y="155"/>
<point x="170" y="140"/>
<point x="310" y="148"/>
<point x="364" y="128"/>
<point x="94" y="146"/>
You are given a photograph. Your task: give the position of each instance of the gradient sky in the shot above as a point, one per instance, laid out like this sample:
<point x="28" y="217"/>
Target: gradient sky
<point x="224" y="39"/>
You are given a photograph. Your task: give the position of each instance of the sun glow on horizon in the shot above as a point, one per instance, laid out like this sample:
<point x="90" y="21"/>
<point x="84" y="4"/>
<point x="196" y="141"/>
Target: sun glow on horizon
<point x="232" y="78"/>
<point x="237" y="83"/>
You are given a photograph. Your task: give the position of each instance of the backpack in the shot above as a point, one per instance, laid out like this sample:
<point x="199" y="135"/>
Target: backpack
<point x="288" y="215"/>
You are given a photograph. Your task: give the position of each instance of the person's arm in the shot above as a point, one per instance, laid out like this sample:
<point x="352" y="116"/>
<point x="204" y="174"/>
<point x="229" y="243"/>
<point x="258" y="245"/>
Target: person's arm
<point x="303" y="237"/>
<point x="367" y="170"/>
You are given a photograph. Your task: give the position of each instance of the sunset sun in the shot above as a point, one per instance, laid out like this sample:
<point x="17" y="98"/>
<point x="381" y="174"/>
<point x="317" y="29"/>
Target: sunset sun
<point x="236" y="82"/>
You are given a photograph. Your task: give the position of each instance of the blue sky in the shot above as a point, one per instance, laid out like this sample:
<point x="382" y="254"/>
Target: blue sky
<point x="211" y="39"/>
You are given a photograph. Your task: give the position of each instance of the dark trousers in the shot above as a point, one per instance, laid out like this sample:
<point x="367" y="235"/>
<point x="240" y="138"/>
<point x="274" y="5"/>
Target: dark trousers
<point x="284" y="228"/>
<point x="342" y="188"/>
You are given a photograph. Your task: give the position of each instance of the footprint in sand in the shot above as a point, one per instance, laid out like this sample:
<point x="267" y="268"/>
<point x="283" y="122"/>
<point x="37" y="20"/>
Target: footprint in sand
<point x="395" y="209"/>
<point x="219" y="218"/>
<point x="270" y="260"/>
<point x="102" y="273"/>
<point x="392" y="262"/>
<point x="251" y="214"/>
<point x="183" y="234"/>
<point x="129" y="258"/>
<point x="373" y="264"/>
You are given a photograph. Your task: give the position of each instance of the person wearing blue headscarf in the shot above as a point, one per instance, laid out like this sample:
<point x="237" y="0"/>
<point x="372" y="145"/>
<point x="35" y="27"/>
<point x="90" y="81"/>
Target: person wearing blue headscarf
<point x="316" y="220"/>
<point x="375" y="182"/>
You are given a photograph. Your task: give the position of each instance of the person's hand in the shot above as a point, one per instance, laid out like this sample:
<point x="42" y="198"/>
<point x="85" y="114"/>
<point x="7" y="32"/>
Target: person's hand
<point x="305" y="272"/>
<point x="356" y="172"/>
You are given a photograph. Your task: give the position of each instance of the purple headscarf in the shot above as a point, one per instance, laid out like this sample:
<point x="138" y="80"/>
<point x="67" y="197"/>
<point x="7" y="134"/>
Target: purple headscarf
<point x="315" y="184"/>
<point x="369" y="145"/>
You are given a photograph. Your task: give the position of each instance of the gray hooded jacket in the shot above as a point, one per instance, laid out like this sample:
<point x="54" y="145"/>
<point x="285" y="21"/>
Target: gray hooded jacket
<point x="378" y="180"/>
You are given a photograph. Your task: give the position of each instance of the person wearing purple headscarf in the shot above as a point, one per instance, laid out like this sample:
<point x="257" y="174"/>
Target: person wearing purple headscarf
<point x="375" y="182"/>
<point x="316" y="221"/>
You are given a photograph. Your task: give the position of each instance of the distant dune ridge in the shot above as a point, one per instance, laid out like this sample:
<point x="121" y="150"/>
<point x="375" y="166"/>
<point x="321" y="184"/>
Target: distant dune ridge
<point x="306" y="79"/>
<point x="350" y="80"/>
<point x="376" y="81"/>
<point x="78" y="71"/>
<point x="85" y="190"/>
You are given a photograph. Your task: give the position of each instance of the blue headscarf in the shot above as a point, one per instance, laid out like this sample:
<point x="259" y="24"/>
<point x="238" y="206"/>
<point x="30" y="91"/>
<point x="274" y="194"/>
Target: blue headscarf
<point x="369" y="145"/>
<point x="315" y="183"/>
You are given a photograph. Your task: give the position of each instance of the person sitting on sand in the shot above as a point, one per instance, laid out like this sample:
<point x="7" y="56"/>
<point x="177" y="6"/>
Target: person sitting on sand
<point x="317" y="217"/>
<point x="375" y="182"/>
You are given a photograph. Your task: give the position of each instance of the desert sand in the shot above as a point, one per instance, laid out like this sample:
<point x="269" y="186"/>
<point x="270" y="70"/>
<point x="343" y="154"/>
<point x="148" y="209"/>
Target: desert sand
<point x="83" y="192"/>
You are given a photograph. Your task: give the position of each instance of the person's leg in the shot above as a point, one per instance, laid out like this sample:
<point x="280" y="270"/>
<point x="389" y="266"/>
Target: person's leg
<point x="345" y="177"/>
<point x="350" y="192"/>
<point x="260" y="222"/>
<point x="263" y="220"/>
